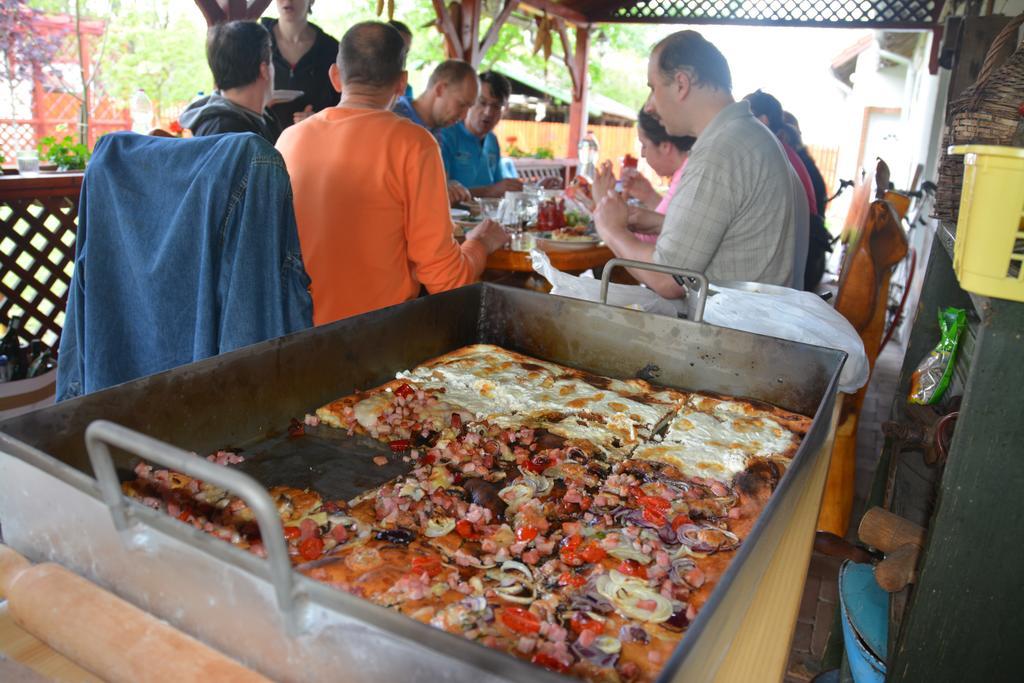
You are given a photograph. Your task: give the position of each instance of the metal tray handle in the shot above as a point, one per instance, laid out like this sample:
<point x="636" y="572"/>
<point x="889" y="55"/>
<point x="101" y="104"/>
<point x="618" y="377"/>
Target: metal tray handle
<point x="102" y="434"/>
<point x="679" y="274"/>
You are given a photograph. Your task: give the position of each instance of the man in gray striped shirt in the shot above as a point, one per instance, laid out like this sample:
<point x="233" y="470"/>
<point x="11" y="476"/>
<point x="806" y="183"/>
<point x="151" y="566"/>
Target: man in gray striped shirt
<point x="735" y="213"/>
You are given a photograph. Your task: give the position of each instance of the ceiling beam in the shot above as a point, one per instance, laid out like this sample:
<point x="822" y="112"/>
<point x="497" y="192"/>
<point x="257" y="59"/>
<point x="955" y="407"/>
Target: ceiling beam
<point x="212" y="12"/>
<point x="448" y="30"/>
<point x="568" y="56"/>
<point x="219" y="11"/>
<point x="491" y="37"/>
<point x="558" y="10"/>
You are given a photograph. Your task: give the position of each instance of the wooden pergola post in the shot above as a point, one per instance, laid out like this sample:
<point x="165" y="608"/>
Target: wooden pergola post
<point x="219" y="11"/>
<point x="577" y="61"/>
<point x="460" y="26"/>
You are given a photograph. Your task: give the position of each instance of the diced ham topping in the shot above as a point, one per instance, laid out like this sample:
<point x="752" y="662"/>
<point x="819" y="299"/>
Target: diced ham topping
<point x="526" y="645"/>
<point x="587" y="637"/>
<point x="309" y="529"/>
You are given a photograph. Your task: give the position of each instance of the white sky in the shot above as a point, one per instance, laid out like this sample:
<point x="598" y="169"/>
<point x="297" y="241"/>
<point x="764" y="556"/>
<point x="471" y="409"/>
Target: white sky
<point x="793" y="64"/>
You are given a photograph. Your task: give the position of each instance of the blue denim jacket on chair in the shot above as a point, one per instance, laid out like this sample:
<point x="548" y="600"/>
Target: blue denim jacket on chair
<point x="185" y="249"/>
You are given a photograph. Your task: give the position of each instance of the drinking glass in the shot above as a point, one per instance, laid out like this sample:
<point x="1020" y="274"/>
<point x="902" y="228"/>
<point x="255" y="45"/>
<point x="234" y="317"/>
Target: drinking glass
<point x="491" y="208"/>
<point x="28" y="162"/>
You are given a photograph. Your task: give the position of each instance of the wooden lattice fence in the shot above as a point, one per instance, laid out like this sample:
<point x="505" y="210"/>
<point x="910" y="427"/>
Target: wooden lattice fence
<point x="38" y="221"/>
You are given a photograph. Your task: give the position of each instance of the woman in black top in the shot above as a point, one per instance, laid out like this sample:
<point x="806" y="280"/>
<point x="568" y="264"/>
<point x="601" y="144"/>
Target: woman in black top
<point x="303" y="54"/>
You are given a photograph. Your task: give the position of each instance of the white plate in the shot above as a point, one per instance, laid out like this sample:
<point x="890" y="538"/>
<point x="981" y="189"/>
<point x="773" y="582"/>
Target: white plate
<point x="282" y="96"/>
<point x="548" y="244"/>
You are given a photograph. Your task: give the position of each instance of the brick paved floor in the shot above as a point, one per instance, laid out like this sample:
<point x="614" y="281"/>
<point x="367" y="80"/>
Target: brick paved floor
<point x="821" y="596"/>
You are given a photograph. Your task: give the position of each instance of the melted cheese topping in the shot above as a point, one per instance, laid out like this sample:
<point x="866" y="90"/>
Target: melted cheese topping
<point x="720" y="443"/>
<point x="369" y="409"/>
<point x="495" y="386"/>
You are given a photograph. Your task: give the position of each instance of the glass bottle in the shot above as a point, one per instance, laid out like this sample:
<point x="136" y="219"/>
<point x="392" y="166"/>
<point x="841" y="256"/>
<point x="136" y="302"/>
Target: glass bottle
<point x="587" y="154"/>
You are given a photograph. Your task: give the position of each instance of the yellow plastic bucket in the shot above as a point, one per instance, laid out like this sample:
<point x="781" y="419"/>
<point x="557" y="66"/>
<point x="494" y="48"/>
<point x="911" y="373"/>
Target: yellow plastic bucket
<point x="989" y="254"/>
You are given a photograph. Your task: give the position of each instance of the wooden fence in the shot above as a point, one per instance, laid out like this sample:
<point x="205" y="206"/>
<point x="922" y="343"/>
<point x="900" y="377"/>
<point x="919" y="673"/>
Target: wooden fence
<point x="531" y="136"/>
<point x="38" y="222"/>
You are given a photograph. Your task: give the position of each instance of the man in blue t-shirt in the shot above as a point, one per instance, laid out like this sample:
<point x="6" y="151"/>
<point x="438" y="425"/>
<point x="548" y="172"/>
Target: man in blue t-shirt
<point x="472" y="156"/>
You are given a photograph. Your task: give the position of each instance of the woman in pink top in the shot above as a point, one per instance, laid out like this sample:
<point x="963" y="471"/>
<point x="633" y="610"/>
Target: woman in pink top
<point x="667" y="155"/>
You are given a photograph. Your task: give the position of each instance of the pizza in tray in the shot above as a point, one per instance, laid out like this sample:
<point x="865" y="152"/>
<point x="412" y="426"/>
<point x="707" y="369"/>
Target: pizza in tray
<point x="576" y="521"/>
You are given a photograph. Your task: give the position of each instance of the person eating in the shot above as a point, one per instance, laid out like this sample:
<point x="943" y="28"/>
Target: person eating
<point x="666" y="155"/>
<point x="451" y="90"/>
<point x="369" y="191"/>
<point x="735" y="212"/>
<point x="470" y="149"/>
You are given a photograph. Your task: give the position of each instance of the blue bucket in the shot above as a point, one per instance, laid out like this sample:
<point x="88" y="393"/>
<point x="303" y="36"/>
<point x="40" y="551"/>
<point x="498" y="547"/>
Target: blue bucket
<point x="865" y="612"/>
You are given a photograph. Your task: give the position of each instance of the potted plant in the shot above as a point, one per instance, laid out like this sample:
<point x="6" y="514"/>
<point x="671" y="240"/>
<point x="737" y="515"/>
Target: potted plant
<point x="67" y="154"/>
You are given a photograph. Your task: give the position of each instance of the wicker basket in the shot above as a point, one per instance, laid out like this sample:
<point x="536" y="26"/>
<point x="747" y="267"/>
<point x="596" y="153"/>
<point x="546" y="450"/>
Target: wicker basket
<point x="985" y="114"/>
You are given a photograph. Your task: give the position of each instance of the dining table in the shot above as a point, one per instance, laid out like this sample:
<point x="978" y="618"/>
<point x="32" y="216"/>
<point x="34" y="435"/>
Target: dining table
<point x="513" y="265"/>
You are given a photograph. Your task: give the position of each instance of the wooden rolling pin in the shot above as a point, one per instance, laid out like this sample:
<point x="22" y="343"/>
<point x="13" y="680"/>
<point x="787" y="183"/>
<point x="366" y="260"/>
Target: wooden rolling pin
<point x="881" y="529"/>
<point x="900" y="540"/>
<point x="102" y="633"/>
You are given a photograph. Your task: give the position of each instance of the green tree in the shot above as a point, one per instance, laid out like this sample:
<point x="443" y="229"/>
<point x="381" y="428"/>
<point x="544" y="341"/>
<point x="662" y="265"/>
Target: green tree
<point x="160" y="52"/>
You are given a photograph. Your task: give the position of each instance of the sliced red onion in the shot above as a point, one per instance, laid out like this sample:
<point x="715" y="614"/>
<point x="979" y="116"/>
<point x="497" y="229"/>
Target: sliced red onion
<point x="589" y="600"/>
<point x="477" y="603"/>
<point x="633" y="634"/>
<point x="678" y="621"/>
<point x="624" y="515"/>
<point x="594" y="655"/>
<point x="680" y="566"/>
<point x="689" y="535"/>
<point x="668" y="535"/>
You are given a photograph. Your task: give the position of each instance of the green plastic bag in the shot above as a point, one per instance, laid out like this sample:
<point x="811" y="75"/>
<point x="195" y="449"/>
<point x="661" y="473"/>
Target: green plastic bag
<point x="930" y="380"/>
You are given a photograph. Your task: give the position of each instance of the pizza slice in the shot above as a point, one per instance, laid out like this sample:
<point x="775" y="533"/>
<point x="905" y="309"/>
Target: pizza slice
<point x="718" y="437"/>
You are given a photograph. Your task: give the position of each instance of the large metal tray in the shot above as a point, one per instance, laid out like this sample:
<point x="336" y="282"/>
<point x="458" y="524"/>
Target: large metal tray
<point x="292" y="628"/>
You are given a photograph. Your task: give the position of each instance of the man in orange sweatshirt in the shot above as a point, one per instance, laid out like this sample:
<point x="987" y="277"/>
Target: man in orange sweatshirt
<point x="369" y="191"/>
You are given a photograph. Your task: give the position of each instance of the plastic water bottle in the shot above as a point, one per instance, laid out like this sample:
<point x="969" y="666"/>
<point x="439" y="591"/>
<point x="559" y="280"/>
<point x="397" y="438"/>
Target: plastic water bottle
<point x="586" y="153"/>
<point x="141" y="110"/>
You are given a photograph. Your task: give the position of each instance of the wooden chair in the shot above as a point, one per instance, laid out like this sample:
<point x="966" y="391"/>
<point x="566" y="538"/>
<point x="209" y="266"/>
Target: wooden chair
<point x="538" y="170"/>
<point x="873" y="249"/>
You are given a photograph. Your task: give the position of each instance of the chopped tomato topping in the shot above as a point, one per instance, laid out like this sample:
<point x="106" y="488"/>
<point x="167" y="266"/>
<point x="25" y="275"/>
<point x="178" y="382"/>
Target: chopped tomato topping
<point x="465" y="529"/>
<point x="399" y="445"/>
<point x="655" y="502"/>
<point x="581" y="622"/>
<point x="655" y="516"/>
<point x="632" y="568"/>
<point x="519" y="620"/>
<point x="185" y="514"/>
<point x="425" y="563"/>
<point x="548" y="662"/>
<point x="292" y="532"/>
<point x="537" y="464"/>
<point x="571" y="579"/>
<point x="428" y="458"/>
<point x="405" y="391"/>
<point x="571" y="542"/>
<point x="311" y="548"/>
<point x="680" y="520"/>
<point x="525" y="534"/>
<point x="568" y="553"/>
<point x="585" y="502"/>
<point x="593" y="553"/>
